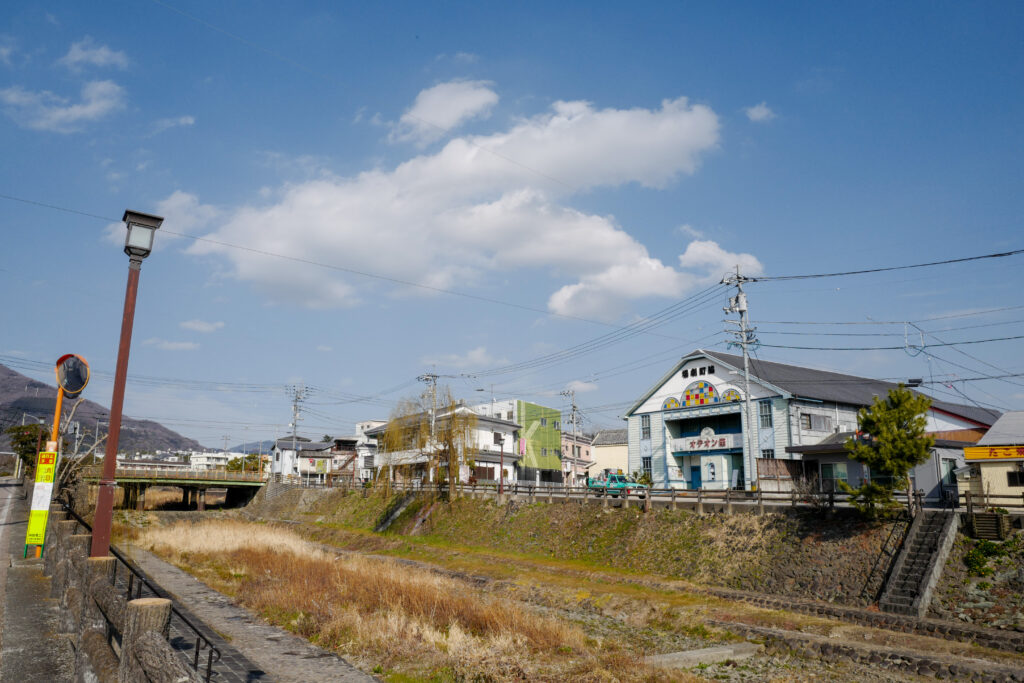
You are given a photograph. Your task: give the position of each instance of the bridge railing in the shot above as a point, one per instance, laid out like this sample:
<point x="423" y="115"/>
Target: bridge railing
<point x="160" y="473"/>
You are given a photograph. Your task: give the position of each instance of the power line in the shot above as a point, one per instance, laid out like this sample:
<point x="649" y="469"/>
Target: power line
<point x="966" y="314"/>
<point x="662" y="317"/>
<point x="328" y="266"/>
<point x="892" y="334"/>
<point x="886" y="269"/>
<point x="889" y="348"/>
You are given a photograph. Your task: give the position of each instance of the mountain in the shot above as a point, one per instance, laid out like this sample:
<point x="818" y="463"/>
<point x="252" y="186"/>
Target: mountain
<point x="254" y="447"/>
<point x="21" y="396"/>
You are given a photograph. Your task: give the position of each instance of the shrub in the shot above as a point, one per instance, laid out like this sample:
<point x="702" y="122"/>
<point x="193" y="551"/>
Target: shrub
<point x="990" y="549"/>
<point x="975" y="561"/>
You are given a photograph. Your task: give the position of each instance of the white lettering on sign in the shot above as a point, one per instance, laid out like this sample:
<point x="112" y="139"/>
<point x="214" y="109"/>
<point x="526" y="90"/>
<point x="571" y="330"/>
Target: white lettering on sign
<point x="706" y="442"/>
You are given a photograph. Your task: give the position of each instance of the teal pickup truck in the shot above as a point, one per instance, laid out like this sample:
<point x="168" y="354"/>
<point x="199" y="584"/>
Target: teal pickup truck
<point x="615" y="484"/>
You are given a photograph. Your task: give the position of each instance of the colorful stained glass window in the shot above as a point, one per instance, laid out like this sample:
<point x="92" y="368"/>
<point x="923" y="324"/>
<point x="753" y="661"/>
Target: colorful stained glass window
<point x="671" y="403"/>
<point x="730" y="395"/>
<point x="700" y="394"/>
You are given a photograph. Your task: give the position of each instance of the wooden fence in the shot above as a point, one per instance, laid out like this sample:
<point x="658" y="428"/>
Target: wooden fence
<point x="115" y="638"/>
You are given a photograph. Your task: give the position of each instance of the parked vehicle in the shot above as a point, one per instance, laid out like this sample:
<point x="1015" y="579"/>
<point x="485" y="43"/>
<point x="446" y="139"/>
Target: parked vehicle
<point x="615" y="484"/>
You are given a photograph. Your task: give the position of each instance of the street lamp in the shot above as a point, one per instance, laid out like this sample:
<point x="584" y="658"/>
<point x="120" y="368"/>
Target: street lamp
<point x="138" y="244"/>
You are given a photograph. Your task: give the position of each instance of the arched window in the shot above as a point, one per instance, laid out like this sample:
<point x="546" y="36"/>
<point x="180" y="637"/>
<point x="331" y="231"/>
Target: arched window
<point x="700" y="393"/>
<point x="711" y="471"/>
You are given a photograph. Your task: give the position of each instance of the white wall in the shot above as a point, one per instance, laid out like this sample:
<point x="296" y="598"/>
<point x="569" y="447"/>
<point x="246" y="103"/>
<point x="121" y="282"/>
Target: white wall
<point x="722" y="380"/>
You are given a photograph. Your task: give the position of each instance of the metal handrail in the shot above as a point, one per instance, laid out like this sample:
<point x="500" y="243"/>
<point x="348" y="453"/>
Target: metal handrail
<point x="202" y="641"/>
<point x="158" y="473"/>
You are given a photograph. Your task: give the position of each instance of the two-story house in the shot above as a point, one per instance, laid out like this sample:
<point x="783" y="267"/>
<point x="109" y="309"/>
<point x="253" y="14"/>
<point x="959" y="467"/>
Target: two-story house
<point x="690" y="430"/>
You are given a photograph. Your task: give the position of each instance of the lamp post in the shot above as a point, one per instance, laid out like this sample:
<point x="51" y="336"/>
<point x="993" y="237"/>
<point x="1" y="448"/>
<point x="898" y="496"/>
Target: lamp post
<point x="138" y="244"/>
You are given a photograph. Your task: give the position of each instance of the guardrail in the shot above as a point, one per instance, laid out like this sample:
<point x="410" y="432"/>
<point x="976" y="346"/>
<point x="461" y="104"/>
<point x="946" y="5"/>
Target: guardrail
<point x="190" y="475"/>
<point x="702" y="499"/>
<point x="725" y="500"/>
<point x="987" y="502"/>
<point x="116" y="636"/>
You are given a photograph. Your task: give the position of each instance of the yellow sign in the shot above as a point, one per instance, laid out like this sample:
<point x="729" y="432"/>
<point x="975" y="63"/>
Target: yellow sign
<point x="41" y="493"/>
<point x="993" y="452"/>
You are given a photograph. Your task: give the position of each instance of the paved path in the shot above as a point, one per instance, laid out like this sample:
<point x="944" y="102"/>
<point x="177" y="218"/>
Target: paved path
<point x="281" y="655"/>
<point x="31" y="648"/>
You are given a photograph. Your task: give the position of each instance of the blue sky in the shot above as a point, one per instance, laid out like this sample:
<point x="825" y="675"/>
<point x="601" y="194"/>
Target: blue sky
<point x="571" y="169"/>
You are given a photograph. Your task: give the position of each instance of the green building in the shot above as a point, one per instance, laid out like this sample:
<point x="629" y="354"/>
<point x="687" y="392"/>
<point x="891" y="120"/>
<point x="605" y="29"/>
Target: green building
<point x="539" y="441"/>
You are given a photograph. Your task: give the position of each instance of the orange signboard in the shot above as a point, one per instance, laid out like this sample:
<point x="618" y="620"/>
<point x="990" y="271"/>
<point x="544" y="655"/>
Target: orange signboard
<point x="993" y="452"/>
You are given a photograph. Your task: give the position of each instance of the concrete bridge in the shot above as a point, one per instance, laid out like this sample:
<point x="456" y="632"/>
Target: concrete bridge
<point x="240" y="486"/>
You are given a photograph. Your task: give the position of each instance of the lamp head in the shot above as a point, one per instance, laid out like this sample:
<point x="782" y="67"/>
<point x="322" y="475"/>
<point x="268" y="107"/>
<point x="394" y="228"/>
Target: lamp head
<point x="141" y="228"/>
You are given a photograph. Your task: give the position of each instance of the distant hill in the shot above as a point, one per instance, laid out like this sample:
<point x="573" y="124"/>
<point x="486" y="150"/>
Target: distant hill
<point x="254" y="447"/>
<point x="20" y="395"/>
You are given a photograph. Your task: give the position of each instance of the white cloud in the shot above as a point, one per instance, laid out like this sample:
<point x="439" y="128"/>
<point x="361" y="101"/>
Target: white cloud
<point x="182" y="212"/>
<point x="6" y="52"/>
<point x="482" y="204"/>
<point x="443" y="108"/>
<point x="201" y="325"/>
<point x="707" y="256"/>
<point x="474" y="358"/>
<point x="466" y="57"/>
<point x="581" y="387"/>
<point x="87" y="53"/>
<point x="161" y="125"/>
<point x="165" y="345"/>
<point x="44" y="110"/>
<point x="691" y="231"/>
<point x="760" y="112"/>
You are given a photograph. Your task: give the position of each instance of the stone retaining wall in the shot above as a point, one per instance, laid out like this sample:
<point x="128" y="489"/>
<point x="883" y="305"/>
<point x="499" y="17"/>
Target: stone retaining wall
<point x="885" y="658"/>
<point x="947" y="630"/>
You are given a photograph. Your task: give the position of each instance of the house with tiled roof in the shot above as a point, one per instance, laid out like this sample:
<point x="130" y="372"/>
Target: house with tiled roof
<point x="690" y="429"/>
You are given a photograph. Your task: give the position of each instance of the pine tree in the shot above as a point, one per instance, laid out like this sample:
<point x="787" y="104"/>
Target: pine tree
<point x="892" y="442"/>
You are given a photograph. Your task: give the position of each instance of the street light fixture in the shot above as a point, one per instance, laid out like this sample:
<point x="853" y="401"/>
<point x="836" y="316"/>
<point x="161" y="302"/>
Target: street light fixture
<point x="142" y="227"/>
<point x="138" y="244"/>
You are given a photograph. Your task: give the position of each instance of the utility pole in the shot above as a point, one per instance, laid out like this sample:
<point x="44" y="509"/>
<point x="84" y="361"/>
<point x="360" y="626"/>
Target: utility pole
<point x="431" y="379"/>
<point x="298" y="396"/>
<point x="571" y="394"/>
<point x="744" y="339"/>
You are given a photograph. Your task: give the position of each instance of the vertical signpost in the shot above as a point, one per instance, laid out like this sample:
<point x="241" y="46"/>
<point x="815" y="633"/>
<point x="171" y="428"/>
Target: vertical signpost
<point x="46" y="465"/>
<point x="72" y="376"/>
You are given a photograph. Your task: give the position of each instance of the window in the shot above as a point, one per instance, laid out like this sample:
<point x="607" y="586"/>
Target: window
<point x="1015" y="478"/>
<point x="543" y="422"/>
<point x="711" y="471"/>
<point x="645" y="465"/>
<point x="498" y="440"/>
<point x="277" y="456"/>
<point x="832" y="472"/>
<point x="768" y="453"/>
<point x="815" y="423"/>
<point x="703" y="370"/>
<point x="557" y="424"/>
<point x="645" y="426"/>
<point x="508" y="416"/>
<point x="711" y="369"/>
<point x="544" y="452"/>
<point x="764" y="414"/>
<point x="805" y="420"/>
<point x="686" y="373"/>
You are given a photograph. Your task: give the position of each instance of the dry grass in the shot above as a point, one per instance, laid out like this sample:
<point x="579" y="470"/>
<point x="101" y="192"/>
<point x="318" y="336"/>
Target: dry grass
<point x="403" y="618"/>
